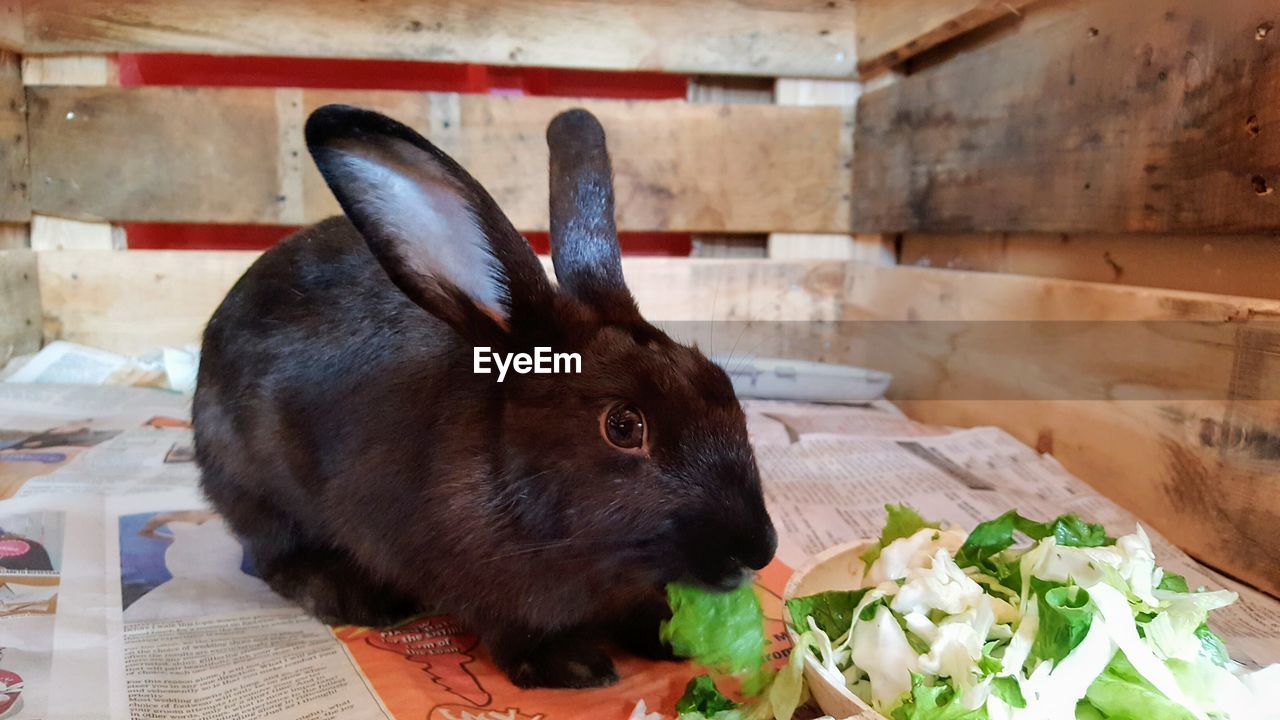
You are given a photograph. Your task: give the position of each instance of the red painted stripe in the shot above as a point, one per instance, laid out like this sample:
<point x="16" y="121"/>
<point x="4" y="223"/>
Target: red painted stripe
<point x="242" y="71"/>
<point x="189" y="236"/>
<point x="229" y="71"/>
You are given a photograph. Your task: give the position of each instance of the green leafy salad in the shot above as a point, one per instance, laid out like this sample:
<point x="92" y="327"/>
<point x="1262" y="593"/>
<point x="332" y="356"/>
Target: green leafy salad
<point x="1026" y="620"/>
<point x="724" y="632"/>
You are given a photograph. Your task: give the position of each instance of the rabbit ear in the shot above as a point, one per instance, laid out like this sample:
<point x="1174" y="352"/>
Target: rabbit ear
<point x="584" y="239"/>
<point x="439" y="235"/>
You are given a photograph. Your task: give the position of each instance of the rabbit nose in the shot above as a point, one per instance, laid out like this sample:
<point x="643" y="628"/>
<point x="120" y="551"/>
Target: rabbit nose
<point x="760" y="551"/>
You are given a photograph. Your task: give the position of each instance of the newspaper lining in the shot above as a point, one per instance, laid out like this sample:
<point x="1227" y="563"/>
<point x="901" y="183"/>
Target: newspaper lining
<point x="122" y="595"/>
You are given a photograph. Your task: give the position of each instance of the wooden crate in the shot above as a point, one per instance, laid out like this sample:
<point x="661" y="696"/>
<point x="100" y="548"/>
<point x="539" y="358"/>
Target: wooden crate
<point x="1078" y="160"/>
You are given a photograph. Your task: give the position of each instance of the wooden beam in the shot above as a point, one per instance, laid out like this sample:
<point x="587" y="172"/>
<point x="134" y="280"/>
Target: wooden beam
<point x="136" y="301"/>
<point x="1200" y="468"/>
<point x="723" y="37"/>
<point x="889" y="32"/>
<point x="15" y="195"/>
<point x="19" y="304"/>
<point x="72" y="69"/>
<point x="1094" y="116"/>
<point x="55" y="233"/>
<point x="12" y="33"/>
<point x="729" y="90"/>
<point x="677" y="166"/>
<point x="51" y="233"/>
<point x="1202" y="471"/>
<point x="797" y="246"/>
<point x="877" y="249"/>
<point x="1246" y="265"/>
<point x="15" y="236"/>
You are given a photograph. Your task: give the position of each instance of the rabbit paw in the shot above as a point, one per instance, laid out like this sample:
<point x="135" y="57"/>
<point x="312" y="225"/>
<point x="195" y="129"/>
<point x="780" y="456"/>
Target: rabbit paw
<point x="637" y="632"/>
<point x="336" y="591"/>
<point x="562" y="663"/>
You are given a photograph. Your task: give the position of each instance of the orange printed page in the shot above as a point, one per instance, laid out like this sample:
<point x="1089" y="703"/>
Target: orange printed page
<point x="431" y="668"/>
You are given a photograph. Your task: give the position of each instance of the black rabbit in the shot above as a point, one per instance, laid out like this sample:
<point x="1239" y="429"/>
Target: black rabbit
<point x="342" y="431"/>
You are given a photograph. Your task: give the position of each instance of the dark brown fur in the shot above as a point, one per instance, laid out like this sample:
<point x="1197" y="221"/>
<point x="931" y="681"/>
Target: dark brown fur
<point x="341" y="431"/>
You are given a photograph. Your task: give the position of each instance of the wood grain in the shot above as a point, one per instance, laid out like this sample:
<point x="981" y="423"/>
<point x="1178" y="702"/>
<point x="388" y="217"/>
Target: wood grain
<point x="891" y="32"/>
<point x="1204" y="474"/>
<point x="15" y="197"/>
<point x="1245" y="265"/>
<point x="1094" y="116"/>
<point x="15" y="236"/>
<point x="12" y="35"/>
<point x="729" y="37"/>
<point x="135" y="301"/>
<point x="794" y="246"/>
<point x="224" y="155"/>
<point x="1199" y="465"/>
<point x="1202" y="471"/>
<point x="71" y="69"/>
<point x="51" y="233"/>
<point x="19" y="304"/>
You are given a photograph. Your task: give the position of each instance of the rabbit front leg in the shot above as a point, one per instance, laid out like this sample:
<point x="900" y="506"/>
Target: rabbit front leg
<point x="333" y="588"/>
<point x="567" y="659"/>
<point x="637" y="630"/>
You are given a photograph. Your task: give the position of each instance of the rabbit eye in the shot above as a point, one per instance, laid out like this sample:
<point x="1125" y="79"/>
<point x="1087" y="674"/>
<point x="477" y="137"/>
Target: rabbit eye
<point x="623" y="426"/>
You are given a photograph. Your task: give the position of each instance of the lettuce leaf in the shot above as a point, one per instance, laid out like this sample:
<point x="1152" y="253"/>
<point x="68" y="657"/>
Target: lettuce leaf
<point x="1211" y="646"/>
<point x="936" y="702"/>
<point x="787" y="691"/>
<point x="702" y="696"/>
<point x="723" y="632"/>
<point x="902" y="522"/>
<point x="1007" y="689"/>
<point x="1174" y="583"/>
<point x="995" y="536"/>
<point x="1085" y="711"/>
<point x="1120" y="693"/>
<point x="831" y="611"/>
<point x="1065" y="617"/>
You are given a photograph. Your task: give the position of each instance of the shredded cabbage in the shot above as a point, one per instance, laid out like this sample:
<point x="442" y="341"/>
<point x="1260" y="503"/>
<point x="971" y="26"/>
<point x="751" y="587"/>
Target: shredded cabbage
<point x="1027" y="620"/>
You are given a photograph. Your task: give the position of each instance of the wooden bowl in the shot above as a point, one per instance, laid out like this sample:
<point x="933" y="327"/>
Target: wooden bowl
<point x="837" y="568"/>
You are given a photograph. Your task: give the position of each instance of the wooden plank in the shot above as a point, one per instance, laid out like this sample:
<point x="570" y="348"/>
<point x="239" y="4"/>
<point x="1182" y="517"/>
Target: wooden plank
<point x="50" y="233"/>
<point x="135" y="301"/>
<point x="54" y="233"/>
<point x="1245" y="265"/>
<point x="728" y="90"/>
<point x="799" y="246"/>
<point x="727" y="246"/>
<point x="19" y="304"/>
<point x="15" y="236"/>
<point x="12" y="35"/>
<point x="877" y="249"/>
<point x="1202" y="471"/>
<point x="1204" y="474"/>
<point x="677" y="166"/>
<point x="71" y="69"/>
<point x="15" y="196"/>
<point x="725" y="37"/>
<point x="889" y="32"/>
<point x="1094" y="116"/>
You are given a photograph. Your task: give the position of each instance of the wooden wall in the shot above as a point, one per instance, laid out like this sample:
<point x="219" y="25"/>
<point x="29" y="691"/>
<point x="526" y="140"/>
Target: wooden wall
<point x="236" y="155"/>
<point x="1088" y="116"/>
